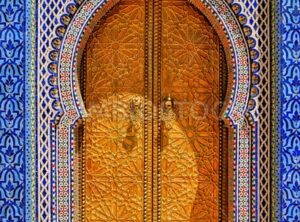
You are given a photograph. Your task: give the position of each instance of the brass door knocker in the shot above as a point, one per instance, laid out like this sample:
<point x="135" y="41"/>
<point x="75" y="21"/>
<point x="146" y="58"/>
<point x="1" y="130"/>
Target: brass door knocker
<point x="134" y="129"/>
<point x="136" y="114"/>
<point x="168" y="110"/>
<point x="168" y="118"/>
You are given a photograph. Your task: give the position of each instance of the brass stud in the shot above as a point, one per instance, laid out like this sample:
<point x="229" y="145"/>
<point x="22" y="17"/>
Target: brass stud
<point x="54" y="92"/>
<point x="251" y="104"/>
<point x="254" y="91"/>
<point x="253" y="54"/>
<point x="56" y="104"/>
<point x="242" y="19"/>
<point x="251" y="42"/>
<point x="53" y="80"/>
<point x="56" y="43"/>
<point x="66" y="19"/>
<point x="61" y="31"/>
<point x="247" y="31"/>
<point x="255" y="67"/>
<point x="54" y="55"/>
<point x="236" y="8"/>
<point x="53" y="67"/>
<point x="255" y="79"/>
<point x="72" y="9"/>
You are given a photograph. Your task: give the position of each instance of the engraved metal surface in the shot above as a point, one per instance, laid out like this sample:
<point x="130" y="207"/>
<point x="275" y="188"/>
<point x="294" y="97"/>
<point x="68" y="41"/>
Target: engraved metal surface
<point x="185" y="148"/>
<point x="114" y="141"/>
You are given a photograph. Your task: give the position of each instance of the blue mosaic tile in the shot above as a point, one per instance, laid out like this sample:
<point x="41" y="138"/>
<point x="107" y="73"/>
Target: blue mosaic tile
<point x="290" y="110"/>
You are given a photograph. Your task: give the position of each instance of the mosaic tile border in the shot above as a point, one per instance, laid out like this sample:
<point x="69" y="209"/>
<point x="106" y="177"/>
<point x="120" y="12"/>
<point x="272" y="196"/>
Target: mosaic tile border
<point x="71" y="102"/>
<point x="285" y="153"/>
<point x="15" y="111"/>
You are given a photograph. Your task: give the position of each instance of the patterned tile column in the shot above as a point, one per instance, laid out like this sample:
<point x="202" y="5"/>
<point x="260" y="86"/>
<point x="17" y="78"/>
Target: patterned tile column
<point x="287" y="110"/>
<point x="15" y="116"/>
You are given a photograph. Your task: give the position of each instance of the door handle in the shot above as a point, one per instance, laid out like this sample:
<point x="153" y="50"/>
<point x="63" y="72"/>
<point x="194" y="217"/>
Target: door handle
<point x="168" y="109"/>
<point x="133" y="133"/>
<point x="136" y="113"/>
<point x="168" y="118"/>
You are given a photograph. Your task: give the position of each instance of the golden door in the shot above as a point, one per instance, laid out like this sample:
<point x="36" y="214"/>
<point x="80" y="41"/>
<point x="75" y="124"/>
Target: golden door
<point x="152" y="148"/>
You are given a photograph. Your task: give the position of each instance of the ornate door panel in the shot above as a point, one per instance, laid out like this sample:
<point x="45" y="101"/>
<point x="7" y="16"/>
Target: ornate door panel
<point x="190" y="73"/>
<point x="114" y="142"/>
<point x="150" y="148"/>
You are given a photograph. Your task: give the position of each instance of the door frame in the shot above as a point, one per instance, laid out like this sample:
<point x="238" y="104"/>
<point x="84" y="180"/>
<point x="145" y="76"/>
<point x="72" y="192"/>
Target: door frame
<point x="236" y="113"/>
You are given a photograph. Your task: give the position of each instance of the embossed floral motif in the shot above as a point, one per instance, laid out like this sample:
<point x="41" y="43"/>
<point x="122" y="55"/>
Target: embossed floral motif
<point x="116" y="51"/>
<point x="178" y="176"/>
<point x="201" y="134"/>
<point x="190" y="73"/>
<point x="114" y="174"/>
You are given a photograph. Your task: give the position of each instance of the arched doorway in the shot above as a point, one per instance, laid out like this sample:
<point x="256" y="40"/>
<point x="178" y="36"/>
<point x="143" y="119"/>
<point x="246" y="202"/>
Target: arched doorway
<point x="153" y="144"/>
